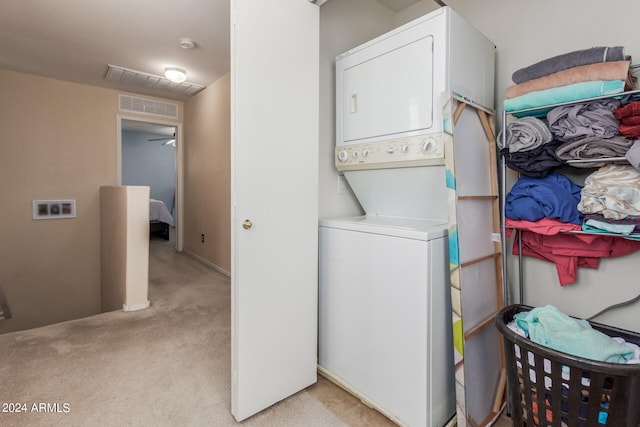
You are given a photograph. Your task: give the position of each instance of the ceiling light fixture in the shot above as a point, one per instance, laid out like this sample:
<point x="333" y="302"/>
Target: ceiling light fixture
<point x="177" y="75"/>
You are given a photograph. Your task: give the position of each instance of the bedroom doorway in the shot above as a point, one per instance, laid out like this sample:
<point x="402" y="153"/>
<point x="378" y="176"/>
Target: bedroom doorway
<point x="149" y="152"/>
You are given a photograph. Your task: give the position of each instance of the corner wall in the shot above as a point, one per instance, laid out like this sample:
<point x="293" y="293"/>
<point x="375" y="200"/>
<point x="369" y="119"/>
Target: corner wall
<point x="526" y="32"/>
<point x="207" y="175"/>
<point x="58" y="141"/>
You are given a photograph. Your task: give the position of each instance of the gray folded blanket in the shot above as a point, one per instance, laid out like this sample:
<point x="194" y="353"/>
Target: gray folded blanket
<point x="595" y="118"/>
<point x="568" y="60"/>
<point x="593" y="148"/>
<point x="525" y="134"/>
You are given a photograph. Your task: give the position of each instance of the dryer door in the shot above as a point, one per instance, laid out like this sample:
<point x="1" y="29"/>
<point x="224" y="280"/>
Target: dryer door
<point x="387" y="93"/>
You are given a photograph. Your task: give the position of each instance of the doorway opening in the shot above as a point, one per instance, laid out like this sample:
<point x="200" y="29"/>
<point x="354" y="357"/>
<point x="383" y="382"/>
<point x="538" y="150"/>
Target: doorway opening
<point x="149" y="152"/>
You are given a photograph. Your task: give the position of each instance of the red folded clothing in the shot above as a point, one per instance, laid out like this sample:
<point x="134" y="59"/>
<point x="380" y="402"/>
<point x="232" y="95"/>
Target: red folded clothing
<point x="631" y="120"/>
<point x="631" y="109"/>
<point x="629" y="130"/>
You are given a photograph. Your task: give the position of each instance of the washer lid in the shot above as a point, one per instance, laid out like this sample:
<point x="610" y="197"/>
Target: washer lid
<point x="410" y="228"/>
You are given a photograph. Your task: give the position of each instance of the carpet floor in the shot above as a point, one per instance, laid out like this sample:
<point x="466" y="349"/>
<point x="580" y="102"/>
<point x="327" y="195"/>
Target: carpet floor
<point x="167" y="365"/>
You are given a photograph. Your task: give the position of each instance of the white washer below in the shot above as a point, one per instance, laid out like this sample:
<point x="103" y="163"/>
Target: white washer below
<point x="384" y="315"/>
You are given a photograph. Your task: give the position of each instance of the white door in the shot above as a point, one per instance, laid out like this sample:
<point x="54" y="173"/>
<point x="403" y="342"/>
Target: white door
<point x="274" y="142"/>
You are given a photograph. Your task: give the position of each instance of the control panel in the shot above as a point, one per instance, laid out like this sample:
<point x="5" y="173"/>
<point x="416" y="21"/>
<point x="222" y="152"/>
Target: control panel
<point x="422" y="150"/>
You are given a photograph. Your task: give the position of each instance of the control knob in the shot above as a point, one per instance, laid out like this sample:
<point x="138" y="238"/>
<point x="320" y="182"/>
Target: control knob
<point x="428" y="144"/>
<point x="343" y="156"/>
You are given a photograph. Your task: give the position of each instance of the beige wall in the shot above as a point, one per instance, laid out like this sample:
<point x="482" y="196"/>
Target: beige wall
<point x="344" y="24"/>
<point x="207" y="175"/>
<point x="57" y="141"/>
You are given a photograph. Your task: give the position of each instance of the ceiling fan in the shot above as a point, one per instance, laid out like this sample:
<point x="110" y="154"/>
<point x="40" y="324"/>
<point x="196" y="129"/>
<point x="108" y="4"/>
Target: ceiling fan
<point x="169" y="140"/>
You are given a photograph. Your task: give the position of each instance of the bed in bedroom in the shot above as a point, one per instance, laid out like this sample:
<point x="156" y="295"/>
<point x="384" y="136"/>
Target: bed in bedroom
<point x="160" y="219"/>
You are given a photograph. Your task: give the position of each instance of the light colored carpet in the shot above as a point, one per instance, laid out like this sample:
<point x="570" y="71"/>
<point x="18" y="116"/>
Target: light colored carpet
<point x="167" y="365"/>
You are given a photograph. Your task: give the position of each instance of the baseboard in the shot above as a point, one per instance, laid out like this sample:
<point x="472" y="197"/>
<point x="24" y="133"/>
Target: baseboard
<point x="135" y="307"/>
<point x="346" y="387"/>
<point x="207" y="263"/>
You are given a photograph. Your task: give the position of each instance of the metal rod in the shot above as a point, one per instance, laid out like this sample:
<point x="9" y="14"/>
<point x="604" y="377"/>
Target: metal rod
<point x="520" y="268"/>
<point x="604" y="159"/>
<point x="503" y="237"/>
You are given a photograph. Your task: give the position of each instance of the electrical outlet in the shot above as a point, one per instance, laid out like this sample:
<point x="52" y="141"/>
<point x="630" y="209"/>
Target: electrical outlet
<point x="342" y="184"/>
<point x="202" y="237"/>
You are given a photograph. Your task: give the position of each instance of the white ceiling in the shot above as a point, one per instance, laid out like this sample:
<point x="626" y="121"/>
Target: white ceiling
<point x="398" y="5"/>
<point x="75" y="40"/>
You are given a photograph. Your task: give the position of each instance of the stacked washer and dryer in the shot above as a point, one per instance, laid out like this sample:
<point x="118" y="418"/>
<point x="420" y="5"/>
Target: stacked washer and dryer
<point x="384" y="297"/>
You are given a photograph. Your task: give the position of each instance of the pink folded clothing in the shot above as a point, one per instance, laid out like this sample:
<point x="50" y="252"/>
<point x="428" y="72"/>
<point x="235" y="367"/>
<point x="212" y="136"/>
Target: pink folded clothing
<point x="615" y="70"/>
<point x="546" y="226"/>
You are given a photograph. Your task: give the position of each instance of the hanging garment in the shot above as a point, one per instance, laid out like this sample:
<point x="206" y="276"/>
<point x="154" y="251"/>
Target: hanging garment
<point x="570" y="251"/>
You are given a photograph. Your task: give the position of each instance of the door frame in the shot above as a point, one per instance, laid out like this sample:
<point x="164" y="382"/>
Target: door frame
<point x="179" y="170"/>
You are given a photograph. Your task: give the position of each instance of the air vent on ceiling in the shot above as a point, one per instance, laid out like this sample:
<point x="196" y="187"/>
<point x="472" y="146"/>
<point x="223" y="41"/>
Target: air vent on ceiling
<point x="148" y="106"/>
<point x="150" y="81"/>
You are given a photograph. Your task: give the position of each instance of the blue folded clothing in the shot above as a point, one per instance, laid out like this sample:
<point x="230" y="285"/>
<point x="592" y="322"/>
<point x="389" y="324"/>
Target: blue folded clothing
<point x="550" y="327"/>
<point x="553" y="196"/>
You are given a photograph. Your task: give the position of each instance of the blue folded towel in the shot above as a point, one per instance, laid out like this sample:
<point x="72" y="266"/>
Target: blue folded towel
<point x="567" y="93"/>
<point x="550" y="327"/>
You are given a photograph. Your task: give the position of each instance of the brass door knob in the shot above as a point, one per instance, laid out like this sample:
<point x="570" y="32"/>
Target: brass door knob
<point x="247" y="224"/>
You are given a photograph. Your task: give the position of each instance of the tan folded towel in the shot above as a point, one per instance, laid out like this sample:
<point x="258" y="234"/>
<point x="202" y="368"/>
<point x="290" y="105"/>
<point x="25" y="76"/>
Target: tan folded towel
<point x="616" y="70"/>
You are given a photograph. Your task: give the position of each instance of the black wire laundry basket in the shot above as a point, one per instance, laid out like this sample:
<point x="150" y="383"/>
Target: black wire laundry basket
<point x="550" y="388"/>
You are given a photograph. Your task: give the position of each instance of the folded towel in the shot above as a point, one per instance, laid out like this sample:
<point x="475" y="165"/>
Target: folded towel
<point x="550" y="327"/>
<point x="568" y="60"/>
<point x="525" y="134"/>
<point x="617" y="70"/>
<point x="568" y="93"/>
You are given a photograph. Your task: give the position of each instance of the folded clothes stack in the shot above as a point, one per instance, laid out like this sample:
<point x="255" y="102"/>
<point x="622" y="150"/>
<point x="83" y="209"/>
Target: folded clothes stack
<point x="629" y="116"/>
<point x="575" y="75"/>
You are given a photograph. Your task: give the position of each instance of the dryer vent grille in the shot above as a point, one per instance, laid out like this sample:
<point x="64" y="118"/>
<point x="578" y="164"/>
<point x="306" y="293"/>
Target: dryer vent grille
<point x="148" y="106"/>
